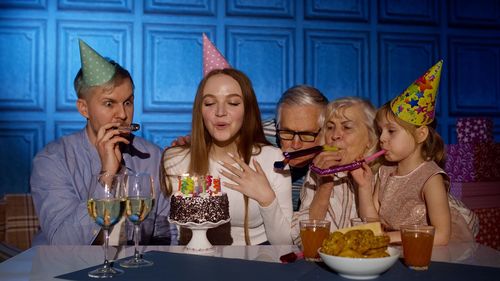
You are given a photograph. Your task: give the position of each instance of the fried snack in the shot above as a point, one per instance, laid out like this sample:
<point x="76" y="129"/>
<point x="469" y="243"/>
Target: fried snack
<point x="349" y="253"/>
<point x="375" y="251"/>
<point x="377" y="255"/>
<point x="380" y="241"/>
<point x="334" y="244"/>
<point x="357" y="243"/>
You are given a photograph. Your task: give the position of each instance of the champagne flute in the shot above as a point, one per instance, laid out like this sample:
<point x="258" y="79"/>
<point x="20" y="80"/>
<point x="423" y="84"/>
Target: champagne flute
<point x="105" y="206"/>
<point x="140" y="199"/>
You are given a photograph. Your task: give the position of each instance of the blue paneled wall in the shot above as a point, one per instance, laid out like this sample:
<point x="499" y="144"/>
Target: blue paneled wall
<point x="371" y="49"/>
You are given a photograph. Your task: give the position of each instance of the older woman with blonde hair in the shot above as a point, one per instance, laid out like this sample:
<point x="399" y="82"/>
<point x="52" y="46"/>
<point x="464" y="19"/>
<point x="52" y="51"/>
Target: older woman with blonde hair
<point x="348" y="124"/>
<point x="228" y="141"/>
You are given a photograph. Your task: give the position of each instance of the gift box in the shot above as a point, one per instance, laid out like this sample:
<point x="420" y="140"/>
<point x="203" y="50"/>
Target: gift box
<point x="471" y="162"/>
<point x="489" y="231"/>
<point x="474" y="130"/>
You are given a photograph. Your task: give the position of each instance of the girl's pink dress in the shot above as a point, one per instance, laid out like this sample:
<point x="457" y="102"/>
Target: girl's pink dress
<point x="401" y="201"/>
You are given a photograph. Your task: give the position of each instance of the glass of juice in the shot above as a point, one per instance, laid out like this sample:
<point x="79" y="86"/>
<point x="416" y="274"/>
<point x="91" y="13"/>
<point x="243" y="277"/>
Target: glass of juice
<point x="312" y="234"/>
<point x="417" y="245"/>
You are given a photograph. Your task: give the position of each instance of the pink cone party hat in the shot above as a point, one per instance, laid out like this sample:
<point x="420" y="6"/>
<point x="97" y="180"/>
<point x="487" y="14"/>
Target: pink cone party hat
<point x="96" y="69"/>
<point x="417" y="104"/>
<point x="212" y="58"/>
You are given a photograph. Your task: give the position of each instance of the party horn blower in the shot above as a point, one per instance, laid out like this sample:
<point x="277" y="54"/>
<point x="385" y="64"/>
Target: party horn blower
<point x="299" y="153"/>
<point x="291" y="257"/>
<point x="132" y="127"/>
<point x="312" y="150"/>
<point x="348" y="167"/>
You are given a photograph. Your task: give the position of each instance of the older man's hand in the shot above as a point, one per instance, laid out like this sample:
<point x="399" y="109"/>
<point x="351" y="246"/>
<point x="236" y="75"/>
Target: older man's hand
<point x="182" y="140"/>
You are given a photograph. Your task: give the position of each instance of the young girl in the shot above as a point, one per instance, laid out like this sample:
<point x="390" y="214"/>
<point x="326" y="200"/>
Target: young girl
<point x="228" y="141"/>
<point x="414" y="190"/>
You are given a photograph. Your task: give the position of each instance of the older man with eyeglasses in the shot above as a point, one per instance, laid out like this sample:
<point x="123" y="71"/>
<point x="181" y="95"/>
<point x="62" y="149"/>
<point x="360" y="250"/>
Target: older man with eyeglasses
<point x="298" y="114"/>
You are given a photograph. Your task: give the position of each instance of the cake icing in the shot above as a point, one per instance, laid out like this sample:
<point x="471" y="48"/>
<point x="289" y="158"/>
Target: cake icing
<point x="199" y="200"/>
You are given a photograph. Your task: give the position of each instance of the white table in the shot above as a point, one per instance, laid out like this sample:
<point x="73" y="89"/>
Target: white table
<point x="45" y="262"/>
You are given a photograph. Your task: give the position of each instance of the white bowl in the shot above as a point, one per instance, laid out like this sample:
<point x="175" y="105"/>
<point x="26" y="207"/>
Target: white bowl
<point x="360" y="268"/>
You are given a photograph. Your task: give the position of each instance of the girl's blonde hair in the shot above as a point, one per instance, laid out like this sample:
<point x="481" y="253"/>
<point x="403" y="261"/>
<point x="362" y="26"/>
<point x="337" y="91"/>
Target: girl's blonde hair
<point x="433" y="146"/>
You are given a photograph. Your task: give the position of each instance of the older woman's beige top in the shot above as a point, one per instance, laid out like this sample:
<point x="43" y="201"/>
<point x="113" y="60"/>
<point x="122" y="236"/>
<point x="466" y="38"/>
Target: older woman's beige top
<point x="401" y="201"/>
<point x="342" y="206"/>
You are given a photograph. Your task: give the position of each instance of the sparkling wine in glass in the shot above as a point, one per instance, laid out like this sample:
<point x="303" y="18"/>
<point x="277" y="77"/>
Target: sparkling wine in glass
<point x="105" y="205"/>
<point x="140" y="199"/>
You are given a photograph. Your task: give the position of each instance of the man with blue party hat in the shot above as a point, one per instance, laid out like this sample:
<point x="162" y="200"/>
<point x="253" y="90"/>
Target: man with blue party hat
<point x="62" y="171"/>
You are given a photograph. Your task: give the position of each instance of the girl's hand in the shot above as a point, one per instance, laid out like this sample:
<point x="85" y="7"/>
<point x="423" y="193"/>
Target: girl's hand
<point x="363" y="177"/>
<point x="250" y="182"/>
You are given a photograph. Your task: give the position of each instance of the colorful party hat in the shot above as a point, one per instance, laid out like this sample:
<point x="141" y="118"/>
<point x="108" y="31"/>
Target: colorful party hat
<point x="96" y="69"/>
<point x="416" y="105"/>
<point x="212" y="58"/>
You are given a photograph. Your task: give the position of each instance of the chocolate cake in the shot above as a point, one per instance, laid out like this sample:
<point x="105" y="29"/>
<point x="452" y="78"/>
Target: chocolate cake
<point x="199" y="209"/>
<point x="198" y="200"/>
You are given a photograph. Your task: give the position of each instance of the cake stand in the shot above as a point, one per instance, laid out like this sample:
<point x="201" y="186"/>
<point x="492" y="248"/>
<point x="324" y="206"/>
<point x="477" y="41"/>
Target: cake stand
<point x="199" y="242"/>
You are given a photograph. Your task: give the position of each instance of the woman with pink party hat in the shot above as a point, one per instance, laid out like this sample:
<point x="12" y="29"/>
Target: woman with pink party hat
<point x="228" y="141"/>
<point x="415" y="188"/>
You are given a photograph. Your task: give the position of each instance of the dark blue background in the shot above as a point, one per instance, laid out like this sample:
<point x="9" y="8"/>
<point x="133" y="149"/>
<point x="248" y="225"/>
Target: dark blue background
<point x="372" y="49"/>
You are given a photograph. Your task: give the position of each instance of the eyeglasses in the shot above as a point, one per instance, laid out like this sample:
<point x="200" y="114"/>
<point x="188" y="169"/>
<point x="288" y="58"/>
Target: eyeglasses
<point x="303" y="136"/>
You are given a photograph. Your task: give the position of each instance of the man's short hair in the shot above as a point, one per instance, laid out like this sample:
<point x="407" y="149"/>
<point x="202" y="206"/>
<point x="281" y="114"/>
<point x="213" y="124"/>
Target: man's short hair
<point x="298" y="96"/>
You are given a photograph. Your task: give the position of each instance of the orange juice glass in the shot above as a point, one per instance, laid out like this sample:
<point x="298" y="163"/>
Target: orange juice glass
<point x="312" y="234"/>
<point x="417" y="245"/>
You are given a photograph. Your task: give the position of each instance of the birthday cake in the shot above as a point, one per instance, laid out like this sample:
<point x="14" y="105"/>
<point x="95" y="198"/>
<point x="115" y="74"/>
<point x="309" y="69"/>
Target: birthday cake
<point x="199" y="200"/>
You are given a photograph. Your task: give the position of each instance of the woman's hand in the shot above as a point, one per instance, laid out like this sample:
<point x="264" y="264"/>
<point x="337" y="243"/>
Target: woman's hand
<point x="327" y="159"/>
<point x="250" y="182"/>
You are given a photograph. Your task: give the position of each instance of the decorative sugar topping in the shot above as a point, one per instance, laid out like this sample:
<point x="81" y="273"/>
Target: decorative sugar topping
<point x="198" y="186"/>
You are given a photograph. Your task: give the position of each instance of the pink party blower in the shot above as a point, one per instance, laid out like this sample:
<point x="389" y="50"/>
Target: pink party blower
<point x="348" y="167"/>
